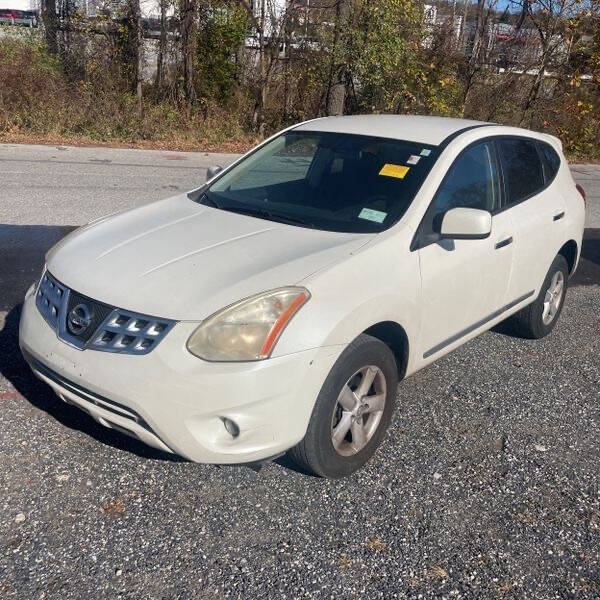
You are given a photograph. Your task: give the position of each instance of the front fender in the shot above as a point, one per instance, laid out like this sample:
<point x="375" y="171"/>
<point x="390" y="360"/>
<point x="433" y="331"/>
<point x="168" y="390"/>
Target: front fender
<point x="342" y="305"/>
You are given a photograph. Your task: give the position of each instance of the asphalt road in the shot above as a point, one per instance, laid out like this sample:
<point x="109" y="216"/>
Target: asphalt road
<point x="486" y="487"/>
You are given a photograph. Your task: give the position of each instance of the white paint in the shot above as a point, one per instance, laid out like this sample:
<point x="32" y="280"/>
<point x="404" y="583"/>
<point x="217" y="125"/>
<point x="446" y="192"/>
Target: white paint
<point x="177" y="259"/>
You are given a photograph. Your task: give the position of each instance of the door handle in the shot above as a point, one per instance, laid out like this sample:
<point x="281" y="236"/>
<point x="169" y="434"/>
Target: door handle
<point x="559" y="216"/>
<point x="503" y="243"/>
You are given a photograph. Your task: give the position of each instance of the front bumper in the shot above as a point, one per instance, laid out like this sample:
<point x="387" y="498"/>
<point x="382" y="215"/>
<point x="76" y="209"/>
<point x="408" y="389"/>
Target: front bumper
<point x="174" y="401"/>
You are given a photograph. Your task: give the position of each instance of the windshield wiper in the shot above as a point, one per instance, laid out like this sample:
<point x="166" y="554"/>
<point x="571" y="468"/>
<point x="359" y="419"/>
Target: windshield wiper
<point x="263" y="213"/>
<point x="208" y="201"/>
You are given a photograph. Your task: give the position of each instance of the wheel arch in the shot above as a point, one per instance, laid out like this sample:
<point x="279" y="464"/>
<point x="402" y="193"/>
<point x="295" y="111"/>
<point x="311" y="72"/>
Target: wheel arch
<point x="569" y="251"/>
<point x="394" y="336"/>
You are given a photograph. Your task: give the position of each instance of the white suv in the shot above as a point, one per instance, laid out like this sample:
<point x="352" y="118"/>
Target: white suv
<point x="276" y="307"/>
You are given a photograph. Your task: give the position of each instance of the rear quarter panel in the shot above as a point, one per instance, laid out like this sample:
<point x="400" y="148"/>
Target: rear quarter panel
<point x="574" y="222"/>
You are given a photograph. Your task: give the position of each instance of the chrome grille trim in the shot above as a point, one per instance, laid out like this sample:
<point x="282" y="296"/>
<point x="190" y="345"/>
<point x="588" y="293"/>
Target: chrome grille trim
<point x="51" y="299"/>
<point x="122" y="331"/>
<point x="128" y="332"/>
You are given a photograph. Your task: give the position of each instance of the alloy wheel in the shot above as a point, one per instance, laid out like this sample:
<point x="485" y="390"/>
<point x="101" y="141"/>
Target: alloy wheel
<point x="553" y="298"/>
<point x="358" y="410"/>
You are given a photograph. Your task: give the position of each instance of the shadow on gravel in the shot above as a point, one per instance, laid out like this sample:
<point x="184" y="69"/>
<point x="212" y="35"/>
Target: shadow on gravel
<point x="14" y="368"/>
<point x="588" y="271"/>
<point x="22" y="250"/>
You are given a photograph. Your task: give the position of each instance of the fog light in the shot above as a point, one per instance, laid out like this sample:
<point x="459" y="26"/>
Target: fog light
<point x="232" y="429"/>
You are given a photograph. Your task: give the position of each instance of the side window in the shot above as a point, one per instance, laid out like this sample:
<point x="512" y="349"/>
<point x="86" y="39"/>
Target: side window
<point x="551" y="159"/>
<point x="522" y="167"/>
<point x="471" y="182"/>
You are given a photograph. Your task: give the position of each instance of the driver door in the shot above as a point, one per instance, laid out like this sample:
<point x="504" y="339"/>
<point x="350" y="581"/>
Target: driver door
<point x="464" y="281"/>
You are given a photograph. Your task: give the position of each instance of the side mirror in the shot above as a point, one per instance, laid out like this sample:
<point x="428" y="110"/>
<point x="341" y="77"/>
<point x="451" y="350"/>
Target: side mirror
<point x="466" y="224"/>
<point x="212" y="171"/>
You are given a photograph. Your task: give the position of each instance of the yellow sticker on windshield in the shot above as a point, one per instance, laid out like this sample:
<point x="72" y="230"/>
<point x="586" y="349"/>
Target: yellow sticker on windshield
<point x="398" y="171"/>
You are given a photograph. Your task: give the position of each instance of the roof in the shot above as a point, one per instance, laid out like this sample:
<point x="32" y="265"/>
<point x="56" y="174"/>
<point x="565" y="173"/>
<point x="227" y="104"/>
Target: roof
<point x="412" y="128"/>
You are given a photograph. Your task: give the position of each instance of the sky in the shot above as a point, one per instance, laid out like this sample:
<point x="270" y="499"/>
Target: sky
<point x="16" y="4"/>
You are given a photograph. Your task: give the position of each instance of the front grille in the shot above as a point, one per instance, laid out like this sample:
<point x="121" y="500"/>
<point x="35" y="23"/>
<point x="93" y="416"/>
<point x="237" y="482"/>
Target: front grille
<point x="98" y="311"/>
<point x="123" y="331"/>
<point x="51" y="299"/>
<point x="88" y="324"/>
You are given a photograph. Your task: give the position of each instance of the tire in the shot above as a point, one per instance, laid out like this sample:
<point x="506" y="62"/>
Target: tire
<point x="534" y="322"/>
<point x="364" y="359"/>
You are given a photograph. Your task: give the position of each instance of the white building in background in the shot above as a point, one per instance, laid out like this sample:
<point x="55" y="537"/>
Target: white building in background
<point x="273" y="10"/>
<point x="16" y="13"/>
<point x="436" y="19"/>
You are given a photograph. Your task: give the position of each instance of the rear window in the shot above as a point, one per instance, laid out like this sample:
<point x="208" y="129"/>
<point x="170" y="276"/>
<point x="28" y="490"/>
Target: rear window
<point x="522" y="167"/>
<point x="551" y="159"/>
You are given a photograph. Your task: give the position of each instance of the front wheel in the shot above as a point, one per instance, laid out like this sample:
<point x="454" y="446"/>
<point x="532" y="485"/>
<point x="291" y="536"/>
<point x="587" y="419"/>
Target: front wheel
<point x="538" y="319"/>
<point x="352" y="411"/>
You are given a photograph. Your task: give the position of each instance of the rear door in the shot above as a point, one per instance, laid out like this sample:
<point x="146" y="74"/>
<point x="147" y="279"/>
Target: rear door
<point x="464" y="282"/>
<point x="536" y="211"/>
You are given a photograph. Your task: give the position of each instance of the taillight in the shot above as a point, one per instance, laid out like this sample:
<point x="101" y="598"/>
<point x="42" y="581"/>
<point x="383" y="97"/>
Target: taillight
<point x="582" y="192"/>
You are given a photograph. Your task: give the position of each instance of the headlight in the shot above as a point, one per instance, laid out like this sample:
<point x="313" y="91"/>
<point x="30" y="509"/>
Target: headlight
<point x="249" y="329"/>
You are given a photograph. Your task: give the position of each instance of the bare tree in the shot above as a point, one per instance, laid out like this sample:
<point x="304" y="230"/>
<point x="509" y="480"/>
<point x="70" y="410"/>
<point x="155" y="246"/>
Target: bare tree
<point x="187" y="9"/>
<point x="271" y="28"/>
<point x="162" y="45"/>
<point x="548" y="18"/>
<point x="257" y="117"/>
<point x="477" y="59"/>
<point x="479" y="34"/>
<point x="51" y="25"/>
<point x="259" y="25"/>
<point x="336" y="90"/>
<point x="137" y="46"/>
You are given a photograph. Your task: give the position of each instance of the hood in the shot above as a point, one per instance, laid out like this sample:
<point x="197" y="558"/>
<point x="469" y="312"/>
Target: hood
<point x="181" y="260"/>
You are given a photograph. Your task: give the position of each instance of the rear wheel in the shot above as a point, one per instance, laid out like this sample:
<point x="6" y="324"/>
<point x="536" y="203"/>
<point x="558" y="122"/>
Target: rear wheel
<point x="352" y="410"/>
<point x="539" y="318"/>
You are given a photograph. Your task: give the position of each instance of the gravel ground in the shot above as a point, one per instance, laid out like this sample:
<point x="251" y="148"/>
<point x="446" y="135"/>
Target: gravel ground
<point x="486" y="487"/>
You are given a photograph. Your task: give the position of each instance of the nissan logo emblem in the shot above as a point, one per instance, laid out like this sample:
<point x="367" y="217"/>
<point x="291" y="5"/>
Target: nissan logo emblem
<point x="79" y="319"/>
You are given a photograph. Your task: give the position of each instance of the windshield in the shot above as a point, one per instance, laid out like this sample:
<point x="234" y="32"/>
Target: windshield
<point x="330" y="181"/>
